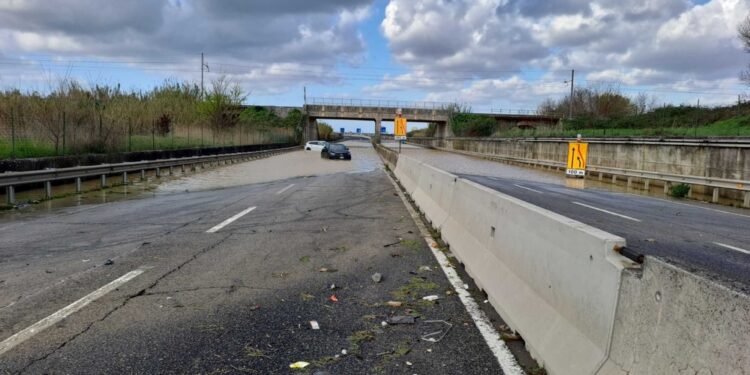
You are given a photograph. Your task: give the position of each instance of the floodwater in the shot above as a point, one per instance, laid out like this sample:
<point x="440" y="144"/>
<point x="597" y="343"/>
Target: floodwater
<point x="287" y="165"/>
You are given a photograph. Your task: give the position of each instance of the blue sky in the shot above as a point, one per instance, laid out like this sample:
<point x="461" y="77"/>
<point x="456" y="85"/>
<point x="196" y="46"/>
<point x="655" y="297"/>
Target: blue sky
<point x="489" y="55"/>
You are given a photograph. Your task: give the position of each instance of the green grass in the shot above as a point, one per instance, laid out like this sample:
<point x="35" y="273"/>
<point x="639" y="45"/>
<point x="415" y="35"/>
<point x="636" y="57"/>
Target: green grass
<point x="25" y="149"/>
<point x="733" y="127"/>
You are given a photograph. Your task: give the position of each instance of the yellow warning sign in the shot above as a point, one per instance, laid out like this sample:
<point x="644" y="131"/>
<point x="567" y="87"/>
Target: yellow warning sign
<point x="577" y="153"/>
<point x="399" y="125"/>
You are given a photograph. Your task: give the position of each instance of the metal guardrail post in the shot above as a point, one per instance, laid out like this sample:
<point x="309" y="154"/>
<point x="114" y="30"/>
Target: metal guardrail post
<point x="48" y="189"/>
<point x="125" y="178"/>
<point x="103" y="182"/>
<point x="746" y="202"/>
<point x="10" y="195"/>
<point x="158" y="172"/>
<point x="143" y="175"/>
<point x="78" y="184"/>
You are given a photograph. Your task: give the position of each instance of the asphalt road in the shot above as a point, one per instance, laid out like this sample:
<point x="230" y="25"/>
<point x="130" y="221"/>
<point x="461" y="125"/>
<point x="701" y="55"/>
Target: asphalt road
<point x="228" y="280"/>
<point x="699" y="237"/>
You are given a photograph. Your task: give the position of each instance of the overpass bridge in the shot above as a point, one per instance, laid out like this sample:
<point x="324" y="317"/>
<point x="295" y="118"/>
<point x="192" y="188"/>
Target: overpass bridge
<point x="378" y="111"/>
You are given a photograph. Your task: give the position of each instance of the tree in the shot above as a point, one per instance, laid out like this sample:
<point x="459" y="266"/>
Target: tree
<point x="744" y="33"/>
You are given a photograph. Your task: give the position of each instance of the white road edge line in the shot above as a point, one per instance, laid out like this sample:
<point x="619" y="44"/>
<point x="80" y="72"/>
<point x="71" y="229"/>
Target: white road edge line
<point x="61" y="314"/>
<point x="732" y="247"/>
<point x="230" y="220"/>
<point x="528" y="188"/>
<point x="497" y="346"/>
<point x="605" y="211"/>
<point x="284" y="189"/>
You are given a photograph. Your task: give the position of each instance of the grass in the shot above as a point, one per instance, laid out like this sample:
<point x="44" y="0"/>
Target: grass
<point x="414" y="289"/>
<point x="25" y="148"/>
<point x="413" y="245"/>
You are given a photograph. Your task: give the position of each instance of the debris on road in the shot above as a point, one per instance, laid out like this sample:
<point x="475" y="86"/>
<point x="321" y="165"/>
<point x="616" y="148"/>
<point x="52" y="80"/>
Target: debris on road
<point x="436" y="336"/>
<point x="395" y="303"/>
<point x="431" y="298"/>
<point x="392" y="244"/>
<point x="333" y="298"/>
<point x="343" y="352"/>
<point x="299" y="365"/>
<point x="333" y="286"/>
<point x="377" y="277"/>
<point x="324" y="269"/>
<point x="395" y="255"/>
<point x="425" y="268"/>
<point x="109" y="262"/>
<point x="401" y="319"/>
<point x="314" y="325"/>
<point x="306" y="297"/>
<point x="408" y="363"/>
<point x="253" y="308"/>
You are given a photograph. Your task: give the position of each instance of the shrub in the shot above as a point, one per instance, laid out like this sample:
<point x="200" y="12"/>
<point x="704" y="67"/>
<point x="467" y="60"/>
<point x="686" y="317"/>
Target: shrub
<point x="679" y="190"/>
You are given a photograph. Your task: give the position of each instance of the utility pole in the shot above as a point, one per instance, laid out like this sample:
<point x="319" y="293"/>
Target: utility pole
<point x="570" y="100"/>
<point x="203" y="66"/>
<point x="304" y="94"/>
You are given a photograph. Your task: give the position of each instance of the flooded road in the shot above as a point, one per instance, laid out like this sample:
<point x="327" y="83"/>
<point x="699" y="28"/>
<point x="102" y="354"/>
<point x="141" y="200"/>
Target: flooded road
<point x="288" y="165"/>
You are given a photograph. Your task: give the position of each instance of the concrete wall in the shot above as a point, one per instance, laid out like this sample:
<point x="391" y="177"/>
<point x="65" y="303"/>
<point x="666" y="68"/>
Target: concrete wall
<point x="580" y="306"/>
<point x="731" y="161"/>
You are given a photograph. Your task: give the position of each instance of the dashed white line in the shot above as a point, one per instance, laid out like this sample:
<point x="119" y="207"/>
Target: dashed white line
<point x="608" y="212"/>
<point x="497" y="346"/>
<point x="61" y="314"/>
<point x="528" y="188"/>
<point x="230" y="220"/>
<point x="284" y="189"/>
<point x="735" y="248"/>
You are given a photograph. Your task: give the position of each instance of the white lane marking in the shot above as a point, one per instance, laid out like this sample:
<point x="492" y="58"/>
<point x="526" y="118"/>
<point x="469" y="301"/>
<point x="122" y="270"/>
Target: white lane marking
<point x="732" y="247"/>
<point x="229" y="221"/>
<point x="284" y="189"/>
<point x="605" y="211"/>
<point x="528" y="188"/>
<point x="497" y="346"/>
<point x="61" y="314"/>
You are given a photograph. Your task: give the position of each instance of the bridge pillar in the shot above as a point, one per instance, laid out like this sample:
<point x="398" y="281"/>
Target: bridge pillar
<point x="376" y="138"/>
<point x="443" y="130"/>
<point x="311" y="129"/>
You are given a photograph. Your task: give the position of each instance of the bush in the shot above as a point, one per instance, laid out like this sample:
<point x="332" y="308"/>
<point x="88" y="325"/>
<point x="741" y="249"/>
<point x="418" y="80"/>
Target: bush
<point x="472" y="125"/>
<point x="679" y="190"/>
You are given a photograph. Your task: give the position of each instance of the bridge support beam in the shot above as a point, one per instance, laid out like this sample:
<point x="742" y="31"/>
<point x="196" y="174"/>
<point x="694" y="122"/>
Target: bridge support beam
<point x="311" y="129"/>
<point x="443" y="130"/>
<point x="376" y="138"/>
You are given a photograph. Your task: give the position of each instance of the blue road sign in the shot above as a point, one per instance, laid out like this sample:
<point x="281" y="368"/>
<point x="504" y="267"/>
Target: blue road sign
<point x="382" y="129"/>
<point x="359" y="130"/>
<point x="342" y="130"/>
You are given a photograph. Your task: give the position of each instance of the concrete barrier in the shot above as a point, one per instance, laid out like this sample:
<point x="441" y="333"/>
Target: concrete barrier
<point x="670" y="321"/>
<point x="580" y="306"/>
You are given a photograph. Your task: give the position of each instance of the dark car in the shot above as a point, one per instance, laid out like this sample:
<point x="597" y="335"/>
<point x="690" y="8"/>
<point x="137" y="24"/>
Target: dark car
<point x="336" y="151"/>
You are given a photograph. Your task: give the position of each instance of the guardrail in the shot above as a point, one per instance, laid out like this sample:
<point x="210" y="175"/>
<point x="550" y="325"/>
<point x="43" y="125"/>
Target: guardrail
<point x="629" y="174"/>
<point x="10" y="180"/>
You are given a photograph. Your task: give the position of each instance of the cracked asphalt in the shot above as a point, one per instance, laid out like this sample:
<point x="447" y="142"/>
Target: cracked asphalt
<point x="239" y="300"/>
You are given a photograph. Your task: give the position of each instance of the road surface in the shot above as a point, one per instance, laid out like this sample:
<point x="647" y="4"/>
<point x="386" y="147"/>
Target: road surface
<point x="227" y="280"/>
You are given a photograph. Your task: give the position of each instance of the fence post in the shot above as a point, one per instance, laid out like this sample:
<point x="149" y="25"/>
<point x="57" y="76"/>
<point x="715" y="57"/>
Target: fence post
<point x="12" y="134"/>
<point x="10" y="195"/>
<point x="63" y="131"/>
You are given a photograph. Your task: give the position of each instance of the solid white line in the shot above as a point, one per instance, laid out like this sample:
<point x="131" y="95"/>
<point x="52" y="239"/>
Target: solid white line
<point x="608" y="212"/>
<point x="284" y="189"/>
<point x="229" y="221"/>
<point x="61" y="314"/>
<point x="732" y="247"/>
<point x="528" y="188"/>
<point x="497" y="346"/>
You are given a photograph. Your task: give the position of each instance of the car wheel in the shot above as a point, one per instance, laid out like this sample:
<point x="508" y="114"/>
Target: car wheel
<point x="308" y="149"/>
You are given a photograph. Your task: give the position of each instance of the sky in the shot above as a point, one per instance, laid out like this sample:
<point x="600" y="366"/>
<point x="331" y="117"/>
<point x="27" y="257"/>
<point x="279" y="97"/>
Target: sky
<point x="489" y="55"/>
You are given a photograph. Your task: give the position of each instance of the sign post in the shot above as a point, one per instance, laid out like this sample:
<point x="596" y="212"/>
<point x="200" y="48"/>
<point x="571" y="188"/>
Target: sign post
<point x="577" y="153"/>
<point x="399" y="129"/>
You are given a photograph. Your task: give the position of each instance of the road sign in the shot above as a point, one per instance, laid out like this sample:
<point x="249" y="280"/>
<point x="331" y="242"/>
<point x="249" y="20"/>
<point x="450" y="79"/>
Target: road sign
<point x="399" y="128"/>
<point x="342" y="130"/>
<point x="382" y="129"/>
<point x="577" y="153"/>
<point x="359" y="130"/>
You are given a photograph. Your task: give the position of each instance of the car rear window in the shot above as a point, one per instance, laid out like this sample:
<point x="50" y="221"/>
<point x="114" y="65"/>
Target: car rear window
<point x="337" y="148"/>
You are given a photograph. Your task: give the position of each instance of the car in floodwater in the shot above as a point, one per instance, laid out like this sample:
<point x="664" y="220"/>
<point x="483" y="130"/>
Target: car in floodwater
<point x="336" y="151"/>
<point x="315" y="145"/>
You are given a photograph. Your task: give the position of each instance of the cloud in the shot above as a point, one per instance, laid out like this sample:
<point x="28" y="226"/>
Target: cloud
<point x="246" y="34"/>
<point x="630" y="42"/>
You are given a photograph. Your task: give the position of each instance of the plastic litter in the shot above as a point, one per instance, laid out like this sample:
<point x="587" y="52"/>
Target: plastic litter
<point x="433" y="297"/>
<point x="394" y="303"/>
<point x="324" y="269"/>
<point x="333" y="298"/>
<point x="401" y="319"/>
<point x="343" y="352"/>
<point x="299" y="365"/>
<point x="377" y="277"/>
<point x="333" y="286"/>
<point x="384" y="323"/>
<point x="425" y="268"/>
<point x="314" y="324"/>
<point x="436" y="336"/>
<point x="408" y="363"/>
